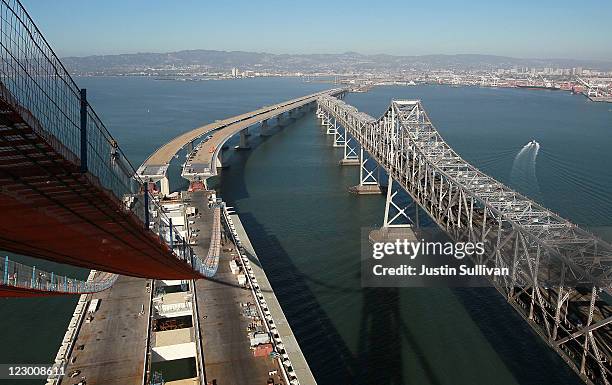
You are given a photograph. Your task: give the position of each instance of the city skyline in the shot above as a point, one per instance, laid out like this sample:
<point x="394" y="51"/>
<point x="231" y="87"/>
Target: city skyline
<point x="563" y="30"/>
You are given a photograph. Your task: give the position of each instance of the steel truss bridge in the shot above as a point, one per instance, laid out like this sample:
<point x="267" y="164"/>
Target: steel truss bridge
<point x="560" y="274"/>
<point x="67" y="192"/>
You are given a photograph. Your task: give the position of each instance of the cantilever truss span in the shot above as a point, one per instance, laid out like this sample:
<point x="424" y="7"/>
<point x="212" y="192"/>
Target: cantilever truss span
<point x="559" y="272"/>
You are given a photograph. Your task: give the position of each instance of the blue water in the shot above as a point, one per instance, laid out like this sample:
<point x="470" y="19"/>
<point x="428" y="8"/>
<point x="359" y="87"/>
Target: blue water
<point x="292" y="197"/>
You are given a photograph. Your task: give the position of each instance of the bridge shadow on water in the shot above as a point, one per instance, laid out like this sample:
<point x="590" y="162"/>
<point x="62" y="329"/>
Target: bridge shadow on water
<point x="378" y="358"/>
<point x="329" y="358"/>
<point x="382" y="332"/>
<point x="526" y="356"/>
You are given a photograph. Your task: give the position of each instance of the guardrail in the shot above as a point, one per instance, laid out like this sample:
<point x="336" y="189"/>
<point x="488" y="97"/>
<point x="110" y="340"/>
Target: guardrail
<point x="70" y="337"/>
<point x="18" y="275"/>
<point x="284" y="362"/>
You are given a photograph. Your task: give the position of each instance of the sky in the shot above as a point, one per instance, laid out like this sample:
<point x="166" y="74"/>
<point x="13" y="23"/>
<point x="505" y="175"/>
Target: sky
<point x="525" y="29"/>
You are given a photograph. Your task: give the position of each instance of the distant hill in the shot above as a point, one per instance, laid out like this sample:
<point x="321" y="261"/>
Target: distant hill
<point x="345" y="62"/>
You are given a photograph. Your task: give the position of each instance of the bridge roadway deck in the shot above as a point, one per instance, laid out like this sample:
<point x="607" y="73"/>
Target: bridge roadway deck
<point x="227" y="357"/>
<point x="220" y="130"/>
<point x="110" y="349"/>
<point x="300" y="365"/>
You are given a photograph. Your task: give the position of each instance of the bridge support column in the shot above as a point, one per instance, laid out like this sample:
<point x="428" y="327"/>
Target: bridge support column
<point x="396" y="227"/>
<point x="244" y="141"/>
<point x="279" y="120"/>
<point x="292" y="114"/>
<point x="331" y="127"/>
<point x="339" y="136"/>
<point x="219" y="161"/>
<point x="320" y="113"/>
<point x="327" y="123"/>
<point x="265" y="129"/>
<point x="368" y="183"/>
<point x="165" y="186"/>
<point x="400" y="219"/>
<point x="350" y="153"/>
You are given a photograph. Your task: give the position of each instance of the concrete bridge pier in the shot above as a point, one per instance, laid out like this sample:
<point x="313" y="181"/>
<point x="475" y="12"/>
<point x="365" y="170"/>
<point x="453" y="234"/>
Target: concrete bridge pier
<point x="219" y="161"/>
<point x="279" y="120"/>
<point x="265" y="129"/>
<point x="368" y="182"/>
<point x="244" y="141"/>
<point x="292" y="114"/>
<point x="164" y="183"/>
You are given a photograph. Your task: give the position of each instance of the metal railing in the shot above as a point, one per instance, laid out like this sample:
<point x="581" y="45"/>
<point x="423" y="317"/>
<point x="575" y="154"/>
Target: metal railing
<point x="37" y="85"/>
<point x="282" y="357"/>
<point x="17" y="275"/>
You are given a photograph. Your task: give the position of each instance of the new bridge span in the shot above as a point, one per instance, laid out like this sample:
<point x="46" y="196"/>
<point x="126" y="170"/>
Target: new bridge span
<point x="207" y="153"/>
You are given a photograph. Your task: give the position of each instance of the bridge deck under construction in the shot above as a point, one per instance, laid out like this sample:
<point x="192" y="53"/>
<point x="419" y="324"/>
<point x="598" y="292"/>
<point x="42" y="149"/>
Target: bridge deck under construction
<point x="165" y="153"/>
<point x="110" y="349"/>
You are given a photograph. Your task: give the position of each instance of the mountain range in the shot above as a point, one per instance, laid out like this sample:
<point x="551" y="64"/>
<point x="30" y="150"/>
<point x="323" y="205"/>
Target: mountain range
<point x="211" y="60"/>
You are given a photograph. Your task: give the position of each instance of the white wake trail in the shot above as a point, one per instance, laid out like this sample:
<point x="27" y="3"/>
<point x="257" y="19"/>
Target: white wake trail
<point x="523" y="174"/>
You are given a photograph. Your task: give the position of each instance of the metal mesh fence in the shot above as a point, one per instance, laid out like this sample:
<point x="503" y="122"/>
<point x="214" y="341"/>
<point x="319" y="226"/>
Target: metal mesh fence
<point x="40" y="88"/>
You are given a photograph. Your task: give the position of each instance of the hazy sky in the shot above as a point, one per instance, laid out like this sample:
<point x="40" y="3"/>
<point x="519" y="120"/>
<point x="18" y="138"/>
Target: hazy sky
<point x="536" y="28"/>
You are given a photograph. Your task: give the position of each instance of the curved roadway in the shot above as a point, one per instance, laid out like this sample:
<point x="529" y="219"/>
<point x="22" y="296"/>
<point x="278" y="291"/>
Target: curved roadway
<point x="220" y="131"/>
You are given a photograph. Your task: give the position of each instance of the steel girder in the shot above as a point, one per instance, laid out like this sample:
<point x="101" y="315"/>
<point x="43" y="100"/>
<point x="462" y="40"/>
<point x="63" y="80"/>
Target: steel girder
<point x="551" y="260"/>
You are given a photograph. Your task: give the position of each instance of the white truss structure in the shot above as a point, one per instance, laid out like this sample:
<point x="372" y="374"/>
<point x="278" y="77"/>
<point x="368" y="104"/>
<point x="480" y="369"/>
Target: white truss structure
<point x="366" y="176"/>
<point x="339" y="136"/>
<point x="551" y="260"/>
<point x="350" y="150"/>
<point x="395" y="214"/>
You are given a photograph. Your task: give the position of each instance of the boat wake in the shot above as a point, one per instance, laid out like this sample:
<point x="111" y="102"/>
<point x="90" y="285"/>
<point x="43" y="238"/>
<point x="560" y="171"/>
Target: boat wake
<point x="523" y="174"/>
